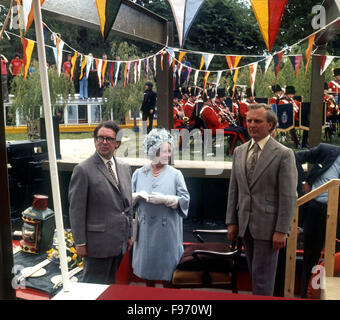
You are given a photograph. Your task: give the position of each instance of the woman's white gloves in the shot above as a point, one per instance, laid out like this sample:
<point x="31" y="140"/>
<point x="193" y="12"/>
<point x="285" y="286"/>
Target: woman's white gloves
<point x="159" y="198"/>
<point x="139" y="195"/>
<point x="155" y="198"/>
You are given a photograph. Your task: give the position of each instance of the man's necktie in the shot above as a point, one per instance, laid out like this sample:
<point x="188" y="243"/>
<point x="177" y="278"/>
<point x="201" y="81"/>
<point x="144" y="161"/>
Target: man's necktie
<point x="251" y="162"/>
<point x="109" y="165"/>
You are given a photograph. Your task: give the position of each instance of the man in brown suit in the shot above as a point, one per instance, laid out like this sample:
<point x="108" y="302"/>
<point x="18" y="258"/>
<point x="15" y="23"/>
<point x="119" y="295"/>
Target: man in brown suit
<point x="100" y="197"/>
<point x="262" y="197"/>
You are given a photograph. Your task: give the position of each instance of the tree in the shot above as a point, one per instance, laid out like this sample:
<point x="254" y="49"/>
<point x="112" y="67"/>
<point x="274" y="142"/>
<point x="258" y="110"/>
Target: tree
<point x="119" y="99"/>
<point x="28" y="92"/>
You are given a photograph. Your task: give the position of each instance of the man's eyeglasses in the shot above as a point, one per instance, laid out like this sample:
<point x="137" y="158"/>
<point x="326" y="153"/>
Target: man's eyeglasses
<point x="107" y="139"/>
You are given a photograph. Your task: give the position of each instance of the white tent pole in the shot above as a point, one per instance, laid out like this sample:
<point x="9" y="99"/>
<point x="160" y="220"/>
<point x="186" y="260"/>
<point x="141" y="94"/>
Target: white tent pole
<point x="50" y="143"/>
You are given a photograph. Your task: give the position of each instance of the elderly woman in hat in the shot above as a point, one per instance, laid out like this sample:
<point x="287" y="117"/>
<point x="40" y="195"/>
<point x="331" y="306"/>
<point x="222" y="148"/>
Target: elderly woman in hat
<point x="162" y="200"/>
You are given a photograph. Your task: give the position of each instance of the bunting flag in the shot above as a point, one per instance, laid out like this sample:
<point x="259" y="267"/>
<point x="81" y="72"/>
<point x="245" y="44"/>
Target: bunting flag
<point x="188" y="76"/>
<point x="206" y="76"/>
<point x="107" y="12"/>
<point x="125" y="72"/>
<point x="181" y="55"/>
<point x="171" y="56"/>
<point x="117" y="66"/>
<point x="252" y="76"/>
<point x="128" y="72"/>
<point x="139" y="68"/>
<point x="112" y="69"/>
<point x="104" y="66"/>
<point x="89" y="64"/>
<point x="60" y="46"/>
<point x="218" y="78"/>
<point x="309" y="51"/>
<point x="147" y="69"/>
<point x="296" y="61"/>
<point x="26" y="12"/>
<point x="82" y="66"/>
<point x="28" y="49"/>
<point x="233" y="62"/>
<point x="277" y="61"/>
<point x="184" y="12"/>
<point x="45" y="31"/>
<point x="73" y="64"/>
<point x="99" y="66"/>
<point x="235" y="80"/>
<point x="268" y="14"/>
<point x="196" y="78"/>
<point x="135" y="71"/>
<point x="324" y="62"/>
<point x="162" y="55"/>
<point x="206" y="59"/>
<point x="264" y="64"/>
<point x="154" y="64"/>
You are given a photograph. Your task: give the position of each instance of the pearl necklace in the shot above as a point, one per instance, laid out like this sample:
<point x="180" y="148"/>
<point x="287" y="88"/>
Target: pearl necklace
<point x="156" y="171"/>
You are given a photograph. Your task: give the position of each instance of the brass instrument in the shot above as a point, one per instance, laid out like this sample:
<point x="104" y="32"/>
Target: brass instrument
<point x="332" y="104"/>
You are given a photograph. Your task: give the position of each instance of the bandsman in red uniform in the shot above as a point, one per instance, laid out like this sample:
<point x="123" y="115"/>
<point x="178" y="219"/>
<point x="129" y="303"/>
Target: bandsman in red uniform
<point x="244" y="106"/>
<point x="332" y="113"/>
<point x="278" y="93"/>
<point x="214" y="121"/>
<point x="177" y="113"/>
<point x="334" y="85"/>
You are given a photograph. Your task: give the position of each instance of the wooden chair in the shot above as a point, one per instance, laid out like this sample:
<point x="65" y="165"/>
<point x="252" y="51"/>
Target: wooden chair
<point x="208" y="264"/>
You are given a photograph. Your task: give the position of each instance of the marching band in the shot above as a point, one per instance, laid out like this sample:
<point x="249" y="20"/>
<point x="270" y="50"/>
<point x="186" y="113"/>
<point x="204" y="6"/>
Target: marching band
<point x="218" y="111"/>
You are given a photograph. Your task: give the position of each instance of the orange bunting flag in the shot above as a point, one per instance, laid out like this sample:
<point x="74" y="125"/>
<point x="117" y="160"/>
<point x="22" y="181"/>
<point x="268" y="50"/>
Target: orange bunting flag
<point x="206" y="76"/>
<point x="309" y="51"/>
<point x="104" y="70"/>
<point x="28" y="49"/>
<point x="233" y="62"/>
<point x="252" y="76"/>
<point x="268" y="14"/>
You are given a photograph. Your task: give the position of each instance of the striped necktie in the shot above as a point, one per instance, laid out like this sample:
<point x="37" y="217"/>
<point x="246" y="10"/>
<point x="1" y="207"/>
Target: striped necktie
<point x="251" y="162"/>
<point x="109" y="165"/>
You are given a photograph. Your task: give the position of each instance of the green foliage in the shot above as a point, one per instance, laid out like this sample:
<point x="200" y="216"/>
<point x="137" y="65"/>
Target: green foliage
<point x="28" y="92"/>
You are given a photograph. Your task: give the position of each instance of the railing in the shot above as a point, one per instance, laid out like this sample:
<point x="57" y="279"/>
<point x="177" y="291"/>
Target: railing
<point x="329" y="251"/>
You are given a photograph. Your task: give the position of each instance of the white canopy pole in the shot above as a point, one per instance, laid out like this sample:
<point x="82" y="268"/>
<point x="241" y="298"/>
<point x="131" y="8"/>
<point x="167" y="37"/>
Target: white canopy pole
<point x="50" y="144"/>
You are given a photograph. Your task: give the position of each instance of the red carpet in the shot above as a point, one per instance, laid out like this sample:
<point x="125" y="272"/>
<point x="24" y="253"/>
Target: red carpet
<point x="125" y="292"/>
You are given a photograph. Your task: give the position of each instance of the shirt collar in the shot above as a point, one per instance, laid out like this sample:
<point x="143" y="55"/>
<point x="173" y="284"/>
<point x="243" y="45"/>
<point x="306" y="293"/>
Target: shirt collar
<point x="261" y="143"/>
<point x="107" y="160"/>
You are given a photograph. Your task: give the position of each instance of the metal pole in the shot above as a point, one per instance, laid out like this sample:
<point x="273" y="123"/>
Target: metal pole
<point x="51" y="144"/>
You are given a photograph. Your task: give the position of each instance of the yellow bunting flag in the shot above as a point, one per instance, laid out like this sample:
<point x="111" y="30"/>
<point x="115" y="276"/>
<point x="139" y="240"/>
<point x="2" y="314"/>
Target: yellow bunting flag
<point x="73" y="64"/>
<point x="107" y="13"/>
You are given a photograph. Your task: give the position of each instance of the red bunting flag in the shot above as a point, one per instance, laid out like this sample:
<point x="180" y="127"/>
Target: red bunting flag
<point x="277" y="61"/>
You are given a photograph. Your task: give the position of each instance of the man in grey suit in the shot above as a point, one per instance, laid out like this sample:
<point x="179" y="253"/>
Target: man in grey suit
<point x="262" y="197"/>
<point x="100" y="197"/>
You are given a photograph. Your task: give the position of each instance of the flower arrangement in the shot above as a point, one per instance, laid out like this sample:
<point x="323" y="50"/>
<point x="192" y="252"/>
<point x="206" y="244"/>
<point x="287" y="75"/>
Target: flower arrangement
<point x="73" y="259"/>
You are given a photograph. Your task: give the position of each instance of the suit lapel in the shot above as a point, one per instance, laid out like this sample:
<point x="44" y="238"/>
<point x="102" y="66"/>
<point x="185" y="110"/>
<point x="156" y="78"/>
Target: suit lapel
<point x="267" y="155"/>
<point x="243" y="161"/>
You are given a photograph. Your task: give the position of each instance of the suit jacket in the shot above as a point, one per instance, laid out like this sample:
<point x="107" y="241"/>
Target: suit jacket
<point x="100" y="214"/>
<point x="322" y="157"/>
<point x="268" y="203"/>
<point x="149" y="101"/>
